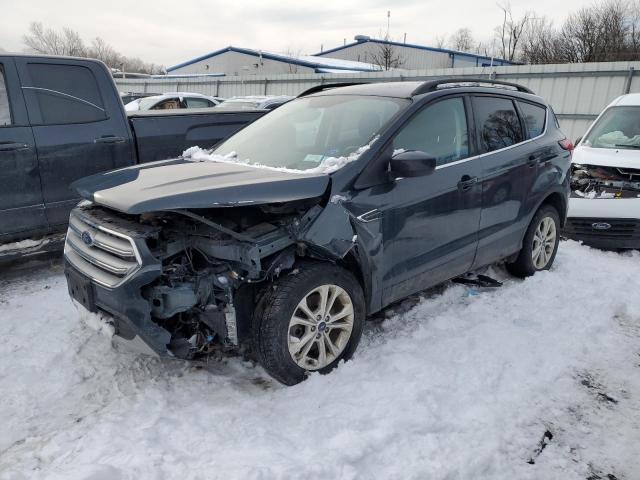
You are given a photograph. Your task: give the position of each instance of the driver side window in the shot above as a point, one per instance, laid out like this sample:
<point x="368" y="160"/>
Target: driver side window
<point x="439" y="129"/>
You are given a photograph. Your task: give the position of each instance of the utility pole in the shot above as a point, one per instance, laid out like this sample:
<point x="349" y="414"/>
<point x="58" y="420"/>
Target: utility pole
<point x="388" y="22"/>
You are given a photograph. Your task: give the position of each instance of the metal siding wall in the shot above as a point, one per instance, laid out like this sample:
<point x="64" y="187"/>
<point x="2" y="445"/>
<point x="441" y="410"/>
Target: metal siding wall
<point x="577" y="92"/>
<point x="413" y="58"/>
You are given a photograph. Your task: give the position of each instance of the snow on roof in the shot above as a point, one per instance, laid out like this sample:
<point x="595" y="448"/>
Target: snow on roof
<point x="310" y="61"/>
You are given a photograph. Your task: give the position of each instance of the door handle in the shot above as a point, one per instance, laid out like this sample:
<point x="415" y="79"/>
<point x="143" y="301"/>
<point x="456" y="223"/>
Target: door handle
<point x="532" y="161"/>
<point x="109" y="139"/>
<point x="466" y="182"/>
<point x="13" y="146"/>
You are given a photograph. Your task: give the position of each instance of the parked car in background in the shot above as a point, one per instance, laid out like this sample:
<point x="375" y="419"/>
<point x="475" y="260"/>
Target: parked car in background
<point x="173" y="101"/>
<point x="61" y="119"/>
<point x="604" y="210"/>
<point x="288" y="234"/>
<point x="254" y="102"/>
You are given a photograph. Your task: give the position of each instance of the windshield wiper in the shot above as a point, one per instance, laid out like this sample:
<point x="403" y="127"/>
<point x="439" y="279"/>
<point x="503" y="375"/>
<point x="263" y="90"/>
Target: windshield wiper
<point x="626" y="145"/>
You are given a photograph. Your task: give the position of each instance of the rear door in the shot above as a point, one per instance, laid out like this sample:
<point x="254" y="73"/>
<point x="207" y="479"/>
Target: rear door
<point x="431" y="228"/>
<point x="78" y="124"/>
<point x="508" y="174"/>
<point x="21" y="203"/>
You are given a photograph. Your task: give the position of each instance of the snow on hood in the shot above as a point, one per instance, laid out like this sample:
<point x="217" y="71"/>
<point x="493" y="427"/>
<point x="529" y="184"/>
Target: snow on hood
<point x="327" y="165"/>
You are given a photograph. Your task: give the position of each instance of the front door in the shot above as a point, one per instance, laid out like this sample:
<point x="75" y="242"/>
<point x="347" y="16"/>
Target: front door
<point x="78" y="125"/>
<point x="21" y="204"/>
<point x="430" y="231"/>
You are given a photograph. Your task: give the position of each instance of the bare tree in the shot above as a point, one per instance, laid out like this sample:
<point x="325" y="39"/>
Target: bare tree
<point x="386" y="56"/>
<point x="482" y="48"/>
<point x="510" y="32"/>
<point x="48" y="41"/>
<point x="289" y="52"/>
<point x="462" y="40"/>
<point x="541" y="43"/>
<point x="609" y="31"/>
<point x="440" y="41"/>
<point x="44" y="41"/>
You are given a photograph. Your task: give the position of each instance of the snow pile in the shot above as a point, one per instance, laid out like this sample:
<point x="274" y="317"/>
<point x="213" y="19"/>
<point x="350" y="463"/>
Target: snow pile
<point x="459" y="385"/>
<point x="23" y="244"/>
<point x="327" y="165"/>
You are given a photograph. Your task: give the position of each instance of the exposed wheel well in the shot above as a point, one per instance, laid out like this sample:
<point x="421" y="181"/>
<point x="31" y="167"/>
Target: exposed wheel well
<point x="557" y="201"/>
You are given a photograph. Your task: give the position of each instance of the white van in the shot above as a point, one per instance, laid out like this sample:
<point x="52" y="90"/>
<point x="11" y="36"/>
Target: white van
<point x="604" y="208"/>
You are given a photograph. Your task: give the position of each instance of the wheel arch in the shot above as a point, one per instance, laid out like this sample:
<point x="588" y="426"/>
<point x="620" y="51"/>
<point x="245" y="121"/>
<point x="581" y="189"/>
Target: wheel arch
<point x="558" y="201"/>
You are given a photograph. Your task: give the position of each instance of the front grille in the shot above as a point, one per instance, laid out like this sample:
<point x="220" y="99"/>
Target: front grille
<point x="620" y="228"/>
<point x="106" y="256"/>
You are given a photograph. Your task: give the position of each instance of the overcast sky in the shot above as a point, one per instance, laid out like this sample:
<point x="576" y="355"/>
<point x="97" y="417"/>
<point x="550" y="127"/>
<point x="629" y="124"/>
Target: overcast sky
<point x="171" y="32"/>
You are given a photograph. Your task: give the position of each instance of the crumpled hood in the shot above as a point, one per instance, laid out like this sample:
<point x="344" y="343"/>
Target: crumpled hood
<point x="180" y="183"/>
<point x="606" y="157"/>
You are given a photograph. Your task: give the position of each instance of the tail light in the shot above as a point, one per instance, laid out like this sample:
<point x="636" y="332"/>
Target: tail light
<point x="566" y="144"/>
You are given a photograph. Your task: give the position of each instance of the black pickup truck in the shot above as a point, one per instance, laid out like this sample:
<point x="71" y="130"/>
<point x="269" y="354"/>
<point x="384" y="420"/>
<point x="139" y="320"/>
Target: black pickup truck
<point x="62" y="119"/>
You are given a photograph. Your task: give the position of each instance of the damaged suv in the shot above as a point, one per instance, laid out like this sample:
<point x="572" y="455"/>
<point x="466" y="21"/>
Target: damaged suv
<point x="285" y="237"/>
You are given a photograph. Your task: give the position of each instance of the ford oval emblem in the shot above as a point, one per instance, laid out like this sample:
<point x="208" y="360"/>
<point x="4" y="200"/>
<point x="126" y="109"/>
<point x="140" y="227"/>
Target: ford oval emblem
<point x="87" y="238"/>
<point x="601" y="226"/>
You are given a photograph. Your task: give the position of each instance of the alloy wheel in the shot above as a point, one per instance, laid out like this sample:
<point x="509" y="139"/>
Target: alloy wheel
<point x="544" y="242"/>
<point x="320" y="327"/>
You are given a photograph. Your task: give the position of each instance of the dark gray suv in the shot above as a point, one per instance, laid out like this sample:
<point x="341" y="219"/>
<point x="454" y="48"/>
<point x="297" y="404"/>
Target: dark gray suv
<point x="285" y="237"/>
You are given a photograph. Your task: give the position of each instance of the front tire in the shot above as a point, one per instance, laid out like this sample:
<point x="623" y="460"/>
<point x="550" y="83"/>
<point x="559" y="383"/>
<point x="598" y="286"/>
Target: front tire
<point x="540" y="244"/>
<point x="310" y="320"/>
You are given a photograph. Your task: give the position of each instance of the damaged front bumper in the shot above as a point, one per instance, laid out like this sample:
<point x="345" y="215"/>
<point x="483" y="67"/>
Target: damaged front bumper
<point x="604" y="207"/>
<point x="144" y="276"/>
<point x="107" y="263"/>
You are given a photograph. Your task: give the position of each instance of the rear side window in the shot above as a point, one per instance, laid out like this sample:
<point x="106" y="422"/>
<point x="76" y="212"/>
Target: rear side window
<point x="5" y="111"/>
<point x="534" y="118"/>
<point x="498" y="123"/>
<point x="198" y="103"/>
<point x="65" y="94"/>
<point x="439" y="129"/>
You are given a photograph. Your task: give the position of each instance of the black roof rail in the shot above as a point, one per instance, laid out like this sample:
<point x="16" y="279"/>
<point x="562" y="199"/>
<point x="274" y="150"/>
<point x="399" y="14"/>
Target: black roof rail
<point x="326" y="86"/>
<point x="431" y="85"/>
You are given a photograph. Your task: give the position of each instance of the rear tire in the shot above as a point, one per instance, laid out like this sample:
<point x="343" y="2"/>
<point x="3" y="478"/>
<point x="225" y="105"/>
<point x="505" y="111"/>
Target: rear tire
<point x="540" y="244"/>
<point x="309" y="320"/>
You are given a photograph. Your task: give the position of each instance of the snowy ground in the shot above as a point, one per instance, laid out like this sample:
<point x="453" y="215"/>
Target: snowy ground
<point x="460" y="386"/>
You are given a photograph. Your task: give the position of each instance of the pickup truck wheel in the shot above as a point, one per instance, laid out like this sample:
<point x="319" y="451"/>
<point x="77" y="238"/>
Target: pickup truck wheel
<point x="540" y="244"/>
<point x="310" y="320"/>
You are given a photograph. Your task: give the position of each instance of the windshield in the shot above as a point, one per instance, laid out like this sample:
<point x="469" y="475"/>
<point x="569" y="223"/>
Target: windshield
<point x="618" y="127"/>
<point x="309" y="132"/>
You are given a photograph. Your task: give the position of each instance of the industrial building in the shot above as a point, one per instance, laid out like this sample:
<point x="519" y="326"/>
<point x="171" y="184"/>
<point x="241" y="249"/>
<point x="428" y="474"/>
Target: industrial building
<point x="244" y="61"/>
<point x="411" y="57"/>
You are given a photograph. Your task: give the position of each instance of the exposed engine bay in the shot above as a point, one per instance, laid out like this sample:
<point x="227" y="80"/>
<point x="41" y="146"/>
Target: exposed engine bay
<point x="599" y="182"/>
<point x="211" y="260"/>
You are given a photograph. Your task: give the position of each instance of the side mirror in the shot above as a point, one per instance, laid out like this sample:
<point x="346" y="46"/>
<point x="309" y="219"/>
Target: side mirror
<point x="412" y="163"/>
<point x="578" y="140"/>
